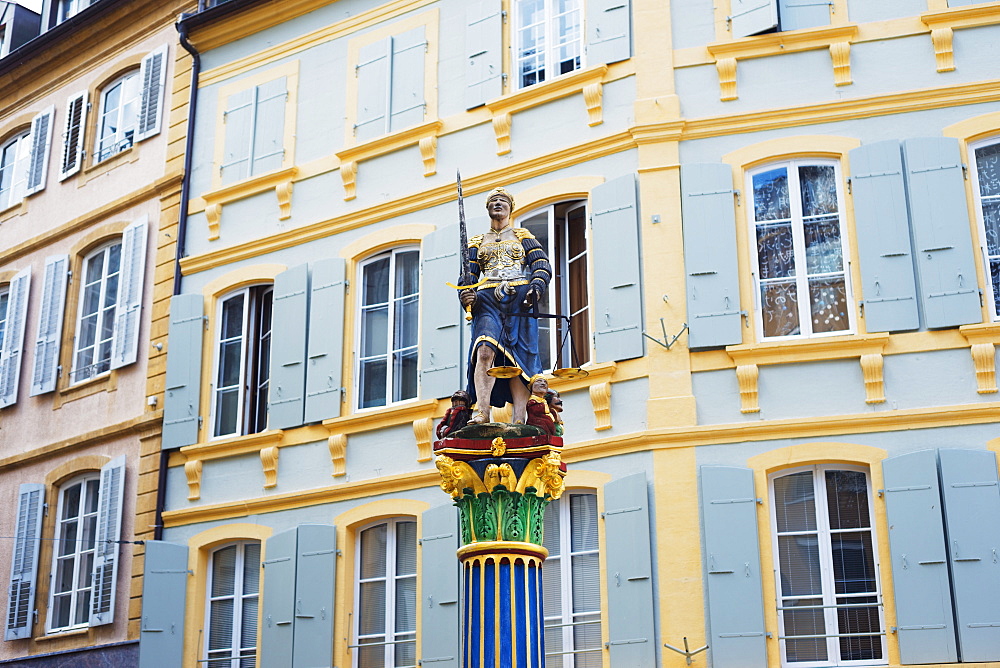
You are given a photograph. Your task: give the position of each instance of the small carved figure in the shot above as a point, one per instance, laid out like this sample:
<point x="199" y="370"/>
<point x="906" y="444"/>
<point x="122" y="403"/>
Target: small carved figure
<point x="457" y="416"/>
<point x="539" y="414"/>
<point x="555" y="403"/>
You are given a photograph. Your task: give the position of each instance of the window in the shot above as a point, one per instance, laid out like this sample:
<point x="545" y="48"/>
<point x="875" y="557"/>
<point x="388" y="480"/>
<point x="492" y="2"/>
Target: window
<point x="391" y="80"/>
<point x="387" y="363"/>
<point x="385" y="596"/>
<point x="98" y="308"/>
<point x="255" y="130"/>
<point x="15" y="155"/>
<point x="243" y="362"/>
<point x="73" y="561"/>
<point x="119" y="116"/>
<point x="70" y="8"/>
<point x="798" y="253"/>
<point x="987" y="175"/>
<point x="561" y="229"/>
<point x="548" y="38"/>
<point x="571" y="578"/>
<point x="233" y="590"/>
<point x="828" y="574"/>
<point x="753" y="17"/>
<point x="4" y="308"/>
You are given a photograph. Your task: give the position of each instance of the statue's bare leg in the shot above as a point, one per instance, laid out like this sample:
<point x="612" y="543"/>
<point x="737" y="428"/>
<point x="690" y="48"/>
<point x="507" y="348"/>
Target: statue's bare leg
<point x="520" y="394"/>
<point x="484" y="383"/>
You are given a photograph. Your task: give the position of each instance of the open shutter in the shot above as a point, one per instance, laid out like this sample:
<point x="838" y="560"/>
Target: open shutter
<point x="617" y="297"/>
<point x="373" y="87"/>
<point x="269" y="126"/>
<point x="972" y="508"/>
<point x="76" y="122"/>
<point x="751" y="17"/>
<point x="710" y="257"/>
<point x="181" y="402"/>
<point x="797" y="14"/>
<point x="164" y="589"/>
<point x="49" y="339"/>
<point x="13" y="339"/>
<point x="441" y="331"/>
<point x="483" y="49"/>
<point x="919" y="561"/>
<point x="41" y="141"/>
<point x="407" y="103"/>
<point x="326" y="340"/>
<point x="24" y="561"/>
<point x="632" y="634"/>
<point x="883" y="231"/>
<point x="609" y="31"/>
<point x="286" y="399"/>
<point x="133" y="271"/>
<point x="940" y="216"/>
<point x="277" y="635"/>
<point x="238" y="119"/>
<point x="109" y="529"/>
<point x="152" y="75"/>
<point x="735" y="601"/>
<point x="439" y="587"/>
<point x="316" y="565"/>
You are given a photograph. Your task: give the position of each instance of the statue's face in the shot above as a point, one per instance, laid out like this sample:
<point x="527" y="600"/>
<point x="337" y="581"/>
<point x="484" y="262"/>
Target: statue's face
<point x="540" y="386"/>
<point x="498" y="207"/>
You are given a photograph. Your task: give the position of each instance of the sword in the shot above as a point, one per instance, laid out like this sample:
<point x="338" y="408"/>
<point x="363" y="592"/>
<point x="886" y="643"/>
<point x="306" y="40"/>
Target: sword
<point x="463" y="240"/>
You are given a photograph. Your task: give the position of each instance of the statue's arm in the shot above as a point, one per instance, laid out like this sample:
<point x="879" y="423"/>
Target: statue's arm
<point x="538" y="265"/>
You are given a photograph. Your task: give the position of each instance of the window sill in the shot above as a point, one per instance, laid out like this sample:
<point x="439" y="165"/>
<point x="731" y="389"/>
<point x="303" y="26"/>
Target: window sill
<point x="943" y="23"/>
<point x="17" y="209"/>
<point x="95" y="169"/>
<point x="59" y="635"/>
<point x="280" y="181"/>
<point x="420" y="413"/>
<point x="107" y="382"/>
<point x="264" y="443"/>
<point x="425" y="136"/>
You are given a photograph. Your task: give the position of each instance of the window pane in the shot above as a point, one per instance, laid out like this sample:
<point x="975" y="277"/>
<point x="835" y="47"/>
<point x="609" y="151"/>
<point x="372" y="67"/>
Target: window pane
<point x="60" y="615"/>
<point x="828" y="302"/>
<point x="406" y="548"/>
<point x="251" y="568"/>
<point x="803" y="623"/>
<point x="862" y="619"/>
<point x="248" y="631"/>
<point x="775" y="251"/>
<point x="552" y="587"/>
<point x="406" y="605"/>
<point x="583" y="519"/>
<point x="798" y="559"/>
<point x="823" y="250"/>
<point x="586" y="636"/>
<point x="847" y="499"/>
<point x="853" y="562"/>
<point x="991" y="219"/>
<point x="405" y="375"/>
<point x="586" y="583"/>
<point x="232" y="317"/>
<point x="224" y="571"/>
<point x="551" y="528"/>
<point x="226" y="411"/>
<point x="376" y="282"/>
<point x="406" y="652"/>
<point x="406" y="315"/>
<point x="819" y="189"/>
<point x="374" y="331"/>
<point x="779" y="307"/>
<point x="220" y="631"/>
<point x="372" y="605"/>
<point x="371" y="657"/>
<point x="770" y="195"/>
<point x="795" y="502"/>
<point x="373" y="383"/>
<point x="988" y="168"/>
<point x="71" y="501"/>
<point x="373" y="552"/>
<point x="407" y="273"/>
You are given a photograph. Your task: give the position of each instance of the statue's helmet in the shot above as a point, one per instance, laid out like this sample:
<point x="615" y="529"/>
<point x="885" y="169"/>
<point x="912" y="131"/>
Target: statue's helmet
<point x="500" y="192"/>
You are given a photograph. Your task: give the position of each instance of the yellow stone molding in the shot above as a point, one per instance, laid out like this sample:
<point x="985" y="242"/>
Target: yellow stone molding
<point x="943" y="22"/>
<point x="280" y="181"/>
<point x="974" y="128"/>
<point x="340" y="428"/>
<point x="269" y="462"/>
<point x="944" y="50"/>
<point x="428" y="153"/>
<point x="349" y="177"/>
<point x="746" y="377"/>
<point x="423" y="432"/>
<point x="983" y="339"/>
<point x="600" y="398"/>
<point x="726" y="67"/>
<point x="588" y="82"/>
<point x="556" y="190"/>
<point x="232" y="446"/>
<point x="424" y="136"/>
<point x="192" y="471"/>
<point x="872" y="370"/>
<point x="337" y="444"/>
<point x="840" y="54"/>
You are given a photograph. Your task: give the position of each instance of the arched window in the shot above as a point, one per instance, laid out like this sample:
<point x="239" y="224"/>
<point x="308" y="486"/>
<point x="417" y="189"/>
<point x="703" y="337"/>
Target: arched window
<point x="233" y="591"/>
<point x="116" y="125"/>
<point x="15" y="154"/>
<point x="98" y="310"/>
<point x="74" y="553"/>
<point x="986" y="172"/>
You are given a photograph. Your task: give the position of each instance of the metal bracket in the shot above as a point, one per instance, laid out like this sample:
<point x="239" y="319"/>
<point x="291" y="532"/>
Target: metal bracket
<point x="667" y="339"/>
<point x="687" y="652"/>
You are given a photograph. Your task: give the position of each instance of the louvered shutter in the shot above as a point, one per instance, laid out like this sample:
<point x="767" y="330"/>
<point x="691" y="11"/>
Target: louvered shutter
<point x="617" y="277"/>
<point x="609" y="31"/>
<point x="798" y="14"/>
<point x="631" y="632"/>
<point x="373" y="86"/>
<point x="41" y="142"/>
<point x="919" y="561"/>
<point x="939" y="213"/>
<point x="439" y="577"/>
<point x="181" y="401"/>
<point x="109" y="529"/>
<point x="131" y="278"/>
<point x="152" y="76"/>
<point x="239" y="122"/>
<point x="13" y="339"/>
<point x="326" y="340"/>
<point x="972" y="510"/>
<point x="441" y="331"/>
<point x="277" y="634"/>
<point x="883" y="233"/>
<point x="269" y="126"/>
<point x="751" y="17"/>
<point x="76" y="123"/>
<point x="710" y="257"/>
<point x="164" y="594"/>
<point x="732" y="553"/>
<point x="24" y="561"/>
<point x="286" y="400"/>
<point x="483" y="50"/>
<point x="407" y="103"/>
<point x="50" y="321"/>
<point x="316" y="565"/>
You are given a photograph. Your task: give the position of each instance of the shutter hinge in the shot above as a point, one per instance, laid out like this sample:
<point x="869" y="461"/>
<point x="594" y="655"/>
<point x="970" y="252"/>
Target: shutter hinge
<point x="200" y="421"/>
<point x="880" y="493"/>
<point x="45" y="510"/>
<point x="849" y="192"/>
<point x="59" y="371"/>
<point x="965" y="171"/>
<point x="503" y="78"/>
<point x="90" y="105"/>
<point x="503" y="17"/>
<point x="736" y="194"/>
<point x="34" y="614"/>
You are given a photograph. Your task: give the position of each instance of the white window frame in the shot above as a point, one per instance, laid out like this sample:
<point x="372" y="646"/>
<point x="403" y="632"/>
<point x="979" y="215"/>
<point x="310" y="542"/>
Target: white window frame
<point x="829" y="596"/>
<point x="391" y="351"/>
<point x="78" y="554"/>
<point x="550" y="50"/>
<point x="67" y="9"/>
<point x="4" y="315"/>
<point x="126" y="129"/>
<point x="81" y="373"/>
<point x="20" y="144"/>
<point x="238" y="607"/>
<point x="992" y="290"/>
<point x="798" y="234"/>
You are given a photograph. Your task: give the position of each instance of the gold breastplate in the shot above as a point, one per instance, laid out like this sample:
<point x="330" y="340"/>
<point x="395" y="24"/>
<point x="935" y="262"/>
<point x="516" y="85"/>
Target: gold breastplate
<point x="502" y="259"/>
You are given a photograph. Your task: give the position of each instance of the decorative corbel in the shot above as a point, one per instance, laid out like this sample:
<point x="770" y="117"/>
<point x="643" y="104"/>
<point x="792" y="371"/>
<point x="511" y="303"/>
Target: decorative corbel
<point x="269" y="460"/>
<point x="192" y="470"/>
<point x="944" y="49"/>
<point x="593" y="96"/>
<point x="871" y="368"/>
<point x="428" y="152"/>
<point x="501" y="128"/>
<point x="600" y="399"/>
<point x="840" y="53"/>
<point x="213" y="213"/>
<point x="985" y="360"/>
<point x="349" y="175"/>
<point x="727" y="78"/>
<point x="284" y="193"/>
<point x="338" y="453"/>
<point x="423" y="431"/>
<point x="747" y="375"/>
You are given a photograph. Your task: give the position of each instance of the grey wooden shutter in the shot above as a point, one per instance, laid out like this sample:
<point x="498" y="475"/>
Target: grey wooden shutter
<point x="883" y="233"/>
<point x="406" y="89"/>
<point x="277" y="635"/>
<point x="109" y="529"/>
<point x="24" y="561"/>
<point x="972" y="509"/>
<point x="609" y="31"/>
<point x="181" y="401"/>
<point x="732" y="553"/>
<point x="50" y="321"/>
<point x="76" y="123"/>
<point x="152" y="76"/>
<point x="750" y="17"/>
<point x="710" y="256"/>
<point x="326" y="340"/>
<point x="919" y="562"/>
<point x="13" y="341"/>
<point x="796" y="14"/>
<point x="441" y="331"/>
<point x="939" y="213"/>
<point x="316" y="565"/>
<point x="632" y="634"/>
<point x="483" y="49"/>
<point x="286" y="399"/>
<point x="269" y="126"/>
<point x="131" y="279"/>
<point x="164" y="593"/>
<point x="372" y="72"/>
<point x="239" y="122"/>
<point x="41" y="141"/>
<point x="617" y="270"/>
<point x="439" y="576"/>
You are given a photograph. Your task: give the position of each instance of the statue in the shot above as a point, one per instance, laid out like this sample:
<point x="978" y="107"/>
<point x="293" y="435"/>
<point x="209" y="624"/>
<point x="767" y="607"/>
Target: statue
<point x="555" y="403"/>
<point x="539" y="412"/>
<point x="457" y="416"/>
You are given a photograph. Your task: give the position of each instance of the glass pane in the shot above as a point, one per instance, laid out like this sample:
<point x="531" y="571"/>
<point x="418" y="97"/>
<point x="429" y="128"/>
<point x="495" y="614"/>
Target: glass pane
<point x="551" y="528"/>
<point x="71" y="501"/>
<point x="583" y="518"/>
<point x="823" y="249"/>
<point x="224" y="571"/>
<point x="376" y="282"/>
<point x="220" y="630"/>
<point x="230" y="354"/>
<point x="586" y="583"/>
<point x="853" y="562"/>
<point x="803" y="623"/>
<point x="372" y="605"/>
<point x="251" y="568"/>
<point x="770" y="195"/>
<point x="374" y="331"/>
<point x="988" y="168"/>
<point x="553" y="648"/>
<point x="95" y="267"/>
<point x="111" y="291"/>
<point x="248" y="631"/>
<point x="406" y="548"/>
<point x="587" y="636"/>
<point x="795" y="502"/>
<point x="406" y="652"/>
<point x="847" y="499"/>
<point x="91" y="299"/>
<point x="991" y="221"/>
<point x="371" y="657"/>
<point x="93" y="489"/>
<point x="775" y="251"/>
<point x="861" y="619"/>
<point x="373" y="378"/>
<point x="798" y="559"/>
<point x="576" y="224"/>
<point x="552" y="587"/>
<point x="405" y="375"/>
<point x="407" y="273"/>
<point x="828" y="304"/>
<point x="779" y="308"/>
<point x="819" y="190"/>
<point x="232" y="317"/>
<point x="82" y="612"/>
<point x="373" y="552"/>
<point x="85" y="574"/>
<point x="406" y="605"/>
<point x="64" y="574"/>
<point x="226" y="407"/>
<point x="995" y="276"/>
<point x="60" y="615"/>
<point x="405" y="326"/>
